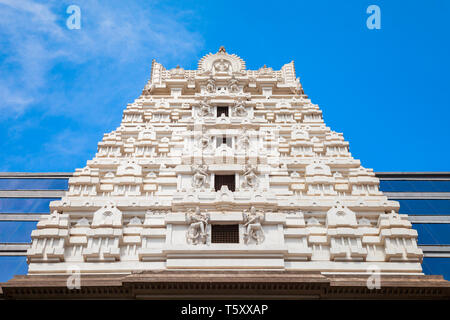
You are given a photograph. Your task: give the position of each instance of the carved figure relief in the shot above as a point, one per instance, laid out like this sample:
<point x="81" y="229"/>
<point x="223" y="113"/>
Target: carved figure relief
<point x="233" y="85"/>
<point x="250" y="177"/>
<point x="254" y="231"/>
<point x="196" y="233"/>
<point x="200" y="178"/>
<point x="239" y="109"/>
<point x="204" y="142"/>
<point x="211" y="85"/>
<point x="205" y="109"/>
<point x="243" y="141"/>
<point x="222" y="66"/>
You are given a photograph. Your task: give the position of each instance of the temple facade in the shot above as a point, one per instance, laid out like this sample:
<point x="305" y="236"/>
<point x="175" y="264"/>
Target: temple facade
<point x="224" y="168"/>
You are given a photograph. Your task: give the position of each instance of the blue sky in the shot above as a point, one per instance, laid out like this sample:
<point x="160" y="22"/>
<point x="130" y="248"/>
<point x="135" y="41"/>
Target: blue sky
<point x="387" y="90"/>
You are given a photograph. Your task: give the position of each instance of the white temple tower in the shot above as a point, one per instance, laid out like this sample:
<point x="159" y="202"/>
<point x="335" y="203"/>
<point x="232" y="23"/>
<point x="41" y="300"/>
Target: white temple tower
<point x="224" y="168"/>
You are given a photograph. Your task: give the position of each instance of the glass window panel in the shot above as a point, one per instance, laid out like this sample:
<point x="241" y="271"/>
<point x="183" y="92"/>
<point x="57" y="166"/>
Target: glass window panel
<point x="16" y="231"/>
<point x="11" y="266"/>
<point x="437" y="266"/>
<point x="33" y="184"/>
<point x="415" y="185"/>
<point x="25" y="205"/>
<point x="433" y="233"/>
<point x="416" y="206"/>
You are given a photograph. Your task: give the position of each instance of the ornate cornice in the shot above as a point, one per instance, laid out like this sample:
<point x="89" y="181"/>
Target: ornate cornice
<point x="226" y="284"/>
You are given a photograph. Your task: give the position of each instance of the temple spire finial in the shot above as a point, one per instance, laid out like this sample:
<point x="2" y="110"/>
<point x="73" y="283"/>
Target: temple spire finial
<point x="222" y="49"/>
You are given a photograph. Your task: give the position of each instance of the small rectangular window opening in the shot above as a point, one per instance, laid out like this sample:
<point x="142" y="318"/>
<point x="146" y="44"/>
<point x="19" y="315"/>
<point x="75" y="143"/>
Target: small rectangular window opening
<point x="224" y="140"/>
<point x="228" y="233"/>
<point x="222" y="110"/>
<point x="224" y="180"/>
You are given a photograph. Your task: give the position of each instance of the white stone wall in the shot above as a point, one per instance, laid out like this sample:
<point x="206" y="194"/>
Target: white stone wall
<point x="309" y="204"/>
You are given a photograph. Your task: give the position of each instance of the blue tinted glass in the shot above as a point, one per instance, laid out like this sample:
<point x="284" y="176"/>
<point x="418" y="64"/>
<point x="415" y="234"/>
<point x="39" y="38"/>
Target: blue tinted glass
<point x="25" y="205"/>
<point x="424" y="206"/>
<point x="10" y="266"/>
<point x="415" y="185"/>
<point x="16" y="231"/>
<point x="431" y="233"/>
<point x="33" y="184"/>
<point x="437" y="266"/>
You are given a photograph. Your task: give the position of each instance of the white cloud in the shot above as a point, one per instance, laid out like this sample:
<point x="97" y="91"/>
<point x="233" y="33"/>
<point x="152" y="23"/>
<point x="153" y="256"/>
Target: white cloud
<point x="14" y="98"/>
<point x="35" y="38"/>
<point x="68" y="143"/>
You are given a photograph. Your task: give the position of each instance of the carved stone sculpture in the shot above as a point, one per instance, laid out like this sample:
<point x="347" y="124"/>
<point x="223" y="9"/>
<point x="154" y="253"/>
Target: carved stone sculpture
<point x="233" y="85"/>
<point x="200" y="177"/>
<point x="239" y="109"/>
<point x="243" y="142"/>
<point x="205" y="109"/>
<point x="211" y="85"/>
<point x="196" y="233"/>
<point x="254" y="230"/>
<point x="222" y="66"/>
<point x="204" y="142"/>
<point x="250" y="177"/>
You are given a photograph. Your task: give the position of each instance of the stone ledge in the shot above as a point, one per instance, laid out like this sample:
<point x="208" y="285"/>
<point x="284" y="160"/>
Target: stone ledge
<point x="226" y="285"/>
